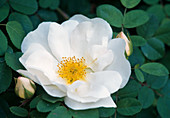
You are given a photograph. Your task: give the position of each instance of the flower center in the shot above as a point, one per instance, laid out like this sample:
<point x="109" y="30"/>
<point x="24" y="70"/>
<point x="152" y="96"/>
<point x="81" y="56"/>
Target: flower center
<point x="72" y="69"/>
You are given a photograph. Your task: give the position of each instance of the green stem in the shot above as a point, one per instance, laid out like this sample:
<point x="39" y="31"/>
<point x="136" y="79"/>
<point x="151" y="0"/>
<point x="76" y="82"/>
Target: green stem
<point x="65" y="16"/>
<point x="2" y="24"/>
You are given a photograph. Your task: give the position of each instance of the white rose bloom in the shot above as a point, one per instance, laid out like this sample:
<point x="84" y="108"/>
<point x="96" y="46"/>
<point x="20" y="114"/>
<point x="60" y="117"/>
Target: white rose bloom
<point x="77" y="60"/>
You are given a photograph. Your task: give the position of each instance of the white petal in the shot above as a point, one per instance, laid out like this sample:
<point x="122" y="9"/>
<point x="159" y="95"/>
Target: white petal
<point x="79" y="18"/>
<point x="53" y="89"/>
<point x="29" y="75"/>
<point x="105" y="102"/>
<point x="39" y="36"/>
<point x="120" y="63"/>
<point x="110" y="79"/>
<point x="99" y="57"/>
<point x="42" y="60"/>
<point x="88" y="33"/>
<point x="58" y="41"/>
<point x="69" y="25"/>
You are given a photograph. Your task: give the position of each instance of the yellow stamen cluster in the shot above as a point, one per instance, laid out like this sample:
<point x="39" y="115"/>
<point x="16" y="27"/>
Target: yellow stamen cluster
<point x="72" y="69"/>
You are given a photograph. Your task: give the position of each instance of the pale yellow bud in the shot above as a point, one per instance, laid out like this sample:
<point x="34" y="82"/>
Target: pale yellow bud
<point x="129" y="46"/>
<point x="25" y="88"/>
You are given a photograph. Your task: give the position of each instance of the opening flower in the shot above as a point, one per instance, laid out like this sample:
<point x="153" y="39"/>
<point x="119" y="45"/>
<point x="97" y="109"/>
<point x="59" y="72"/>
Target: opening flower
<point x="77" y="60"/>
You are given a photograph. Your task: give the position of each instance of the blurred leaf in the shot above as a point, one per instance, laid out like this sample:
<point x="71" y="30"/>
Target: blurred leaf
<point x="35" y="101"/>
<point x="156" y="82"/>
<point x="12" y="60"/>
<point x="138" y="40"/>
<point x="130" y="90"/>
<point x="154" y="68"/>
<point x="151" y="2"/>
<point x="51" y="99"/>
<point x="157" y="10"/>
<point x="35" y="21"/>
<point x="136" y="57"/>
<point x="2" y="2"/>
<point x="165" y="90"/>
<point x="5" y="77"/>
<point x="44" y="106"/>
<point x="111" y="14"/>
<point x="3" y="43"/>
<point x="59" y="112"/>
<point x="147" y="113"/>
<point x="148" y="29"/>
<point x="146" y="97"/>
<point x="90" y="113"/>
<point x="47" y="15"/>
<point x="167" y="9"/>
<point x="15" y="32"/>
<point x="106" y="112"/>
<point x="19" y="111"/>
<point x="139" y="75"/>
<point x="135" y="18"/>
<point x="163" y="106"/>
<point x="130" y="3"/>
<point x="154" y="49"/>
<point x="36" y="114"/>
<point x="24" y="6"/>
<point x="129" y="106"/>
<point x="52" y="4"/>
<point x="4" y="11"/>
<point x="165" y="60"/>
<point x="23" y="20"/>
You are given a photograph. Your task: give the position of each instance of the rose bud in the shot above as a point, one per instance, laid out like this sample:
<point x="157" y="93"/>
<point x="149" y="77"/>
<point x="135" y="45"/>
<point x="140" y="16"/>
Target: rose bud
<point x="25" y="88"/>
<point x="129" y="46"/>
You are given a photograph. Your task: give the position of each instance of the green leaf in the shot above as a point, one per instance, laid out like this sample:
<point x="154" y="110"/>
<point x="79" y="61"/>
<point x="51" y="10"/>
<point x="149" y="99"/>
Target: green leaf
<point x="139" y="75"/>
<point x="19" y="111"/>
<point x="129" y="106"/>
<point x="60" y="112"/>
<point x="146" y="97"/>
<point x="154" y="68"/>
<point x="154" y="49"/>
<point x="4" y="11"/>
<point x="106" y="112"/>
<point x="130" y="90"/>
<point x="151" y="2"/>
<point x="111" y="14"/>
<point x="35" y="101"/>
<point x="157" y="10"/>
<point x="135" y="18"/>
<point x="24" y="6"/>
<point x="51" y="99"/>
<point x="91" y="113"/>
<point x="23" y="20"/>
<point x="47" y="15"/>
<point x="12" y="60"/>
<point x="130" y="3"/>
<point x="156" y="82"/>
<point x="15" y="32"/>
<point x="2" y="2"/>
<point x="5" y="76"/>
<point x="167" y="9"/>
<point x="138" y="40"/>
<point x="44" y="106"/>
<point x="136" y="57"/>
<point x="165" y="60"/>
<point x="165" y="90"/>
<point x="4" y="43"/>
<point x="35" y="20"/>
<point x="36" y="114"/>
<point x="152" y="25"/>
<point x="163" y="107"/>
<point x="52" y="4"/>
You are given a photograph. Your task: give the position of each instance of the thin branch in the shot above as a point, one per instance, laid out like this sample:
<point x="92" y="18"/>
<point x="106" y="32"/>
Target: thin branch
<point x="65" y="16"/>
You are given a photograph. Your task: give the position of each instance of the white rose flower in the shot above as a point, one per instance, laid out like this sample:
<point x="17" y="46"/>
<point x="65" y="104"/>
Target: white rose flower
<point x="76" y="60"/>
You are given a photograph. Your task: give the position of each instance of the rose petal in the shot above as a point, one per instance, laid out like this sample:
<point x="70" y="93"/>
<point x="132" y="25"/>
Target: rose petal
<point x="105" y="102"/>
<point x="39" y="36"/>
<point x="110" y="79"/>
<point x="79" y="18"/>
<point x="58" y="41"/>
<point x="120" y="63"/>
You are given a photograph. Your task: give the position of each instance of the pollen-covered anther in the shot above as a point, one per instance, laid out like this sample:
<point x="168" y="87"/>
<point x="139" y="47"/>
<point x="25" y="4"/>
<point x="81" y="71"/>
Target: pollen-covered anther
<point x="72" y="69"/>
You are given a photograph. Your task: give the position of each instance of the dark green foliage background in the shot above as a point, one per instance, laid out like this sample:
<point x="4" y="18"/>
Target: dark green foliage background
<point x="147" y="94"/>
